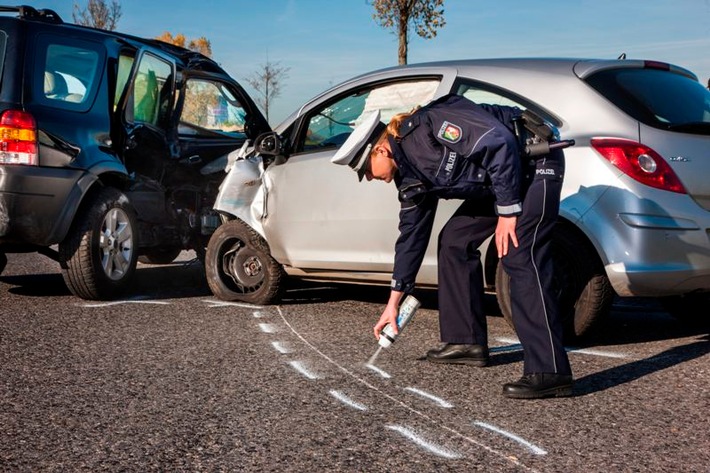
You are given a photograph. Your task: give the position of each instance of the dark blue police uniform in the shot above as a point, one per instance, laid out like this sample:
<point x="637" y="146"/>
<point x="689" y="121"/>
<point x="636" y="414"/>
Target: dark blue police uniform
<point x="456" y="149"/>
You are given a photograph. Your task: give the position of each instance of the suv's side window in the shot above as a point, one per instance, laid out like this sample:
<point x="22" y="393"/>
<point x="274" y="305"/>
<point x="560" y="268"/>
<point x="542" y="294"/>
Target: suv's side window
<point x="68" y="72"/>
<point x="152" y="91"/>
<point x="210" y="107"/>
<point x="331" y="126"/>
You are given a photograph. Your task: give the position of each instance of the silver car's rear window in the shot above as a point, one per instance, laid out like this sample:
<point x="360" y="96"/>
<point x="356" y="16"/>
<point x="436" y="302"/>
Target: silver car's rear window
<point x="658" y="98"/>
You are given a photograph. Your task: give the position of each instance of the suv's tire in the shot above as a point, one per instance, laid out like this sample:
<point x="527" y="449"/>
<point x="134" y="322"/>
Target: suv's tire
<point x="99" y="255"/>
<point x="585" y="294"/>
<point x="159" y="255"/>
<point x="3" y="262"/>
<point x="239" y="266"/>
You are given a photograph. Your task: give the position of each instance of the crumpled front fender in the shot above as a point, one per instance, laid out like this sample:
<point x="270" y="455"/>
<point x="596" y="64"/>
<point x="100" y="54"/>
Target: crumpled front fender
<point x="242" y="194"/>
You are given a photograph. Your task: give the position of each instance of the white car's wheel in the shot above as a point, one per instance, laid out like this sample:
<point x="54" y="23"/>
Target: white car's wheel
<point x="239" y="266"/>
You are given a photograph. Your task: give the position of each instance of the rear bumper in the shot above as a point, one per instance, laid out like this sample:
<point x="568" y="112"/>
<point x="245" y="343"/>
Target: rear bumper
<point x="37" y="204"/>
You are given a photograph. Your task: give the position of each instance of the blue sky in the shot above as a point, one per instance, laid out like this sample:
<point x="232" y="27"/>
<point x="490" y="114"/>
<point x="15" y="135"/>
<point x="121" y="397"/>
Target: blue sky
<point x="325" y="42"/>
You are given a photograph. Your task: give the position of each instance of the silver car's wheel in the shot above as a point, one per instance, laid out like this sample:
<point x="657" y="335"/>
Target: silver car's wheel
<point x="584" y="292"/>
<point x="99" y="256"/>
<point x="239" y="266"/>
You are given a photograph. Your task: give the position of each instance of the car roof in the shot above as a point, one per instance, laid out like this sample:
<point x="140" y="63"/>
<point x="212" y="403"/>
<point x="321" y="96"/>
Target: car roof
<point x="189" y="58"/>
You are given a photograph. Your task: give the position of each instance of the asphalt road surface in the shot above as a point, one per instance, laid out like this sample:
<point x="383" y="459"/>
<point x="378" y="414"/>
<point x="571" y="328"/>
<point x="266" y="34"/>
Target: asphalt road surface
<point x="172" y="379"/>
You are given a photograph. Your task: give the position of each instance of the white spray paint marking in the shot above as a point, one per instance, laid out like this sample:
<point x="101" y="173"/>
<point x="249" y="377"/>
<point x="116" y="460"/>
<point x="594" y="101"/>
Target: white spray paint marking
<point x="281" y="348"/>
<point x="608" y="354"/>
<point x="107" y="304"/>
<point x="214" y="303"/>
<point x="257" y="314"/>
<point x="346" y="400"/>
<point x="382" y="373"/>
<point x="431" y="420"/>
<point x="298" y="366"/>
<point x="436" y="450"/>
<point x="268" y="328"/>
<point x="520" y="440"/>
<point x="431" y="397"/>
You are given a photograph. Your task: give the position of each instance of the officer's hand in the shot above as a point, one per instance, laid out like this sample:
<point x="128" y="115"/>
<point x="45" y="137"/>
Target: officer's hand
<point x="389" y="316"/>
<point x="505" y="231"/>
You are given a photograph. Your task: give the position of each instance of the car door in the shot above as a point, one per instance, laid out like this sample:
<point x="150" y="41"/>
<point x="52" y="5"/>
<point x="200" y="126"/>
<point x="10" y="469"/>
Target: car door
<point x="319" y="216"/>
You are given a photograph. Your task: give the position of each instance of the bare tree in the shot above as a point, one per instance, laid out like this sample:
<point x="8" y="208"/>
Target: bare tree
<point x="201" y="44"/>
<point x="424" y="16"/>
<point x="267" y="82"/>
<point x="98" y="14"/>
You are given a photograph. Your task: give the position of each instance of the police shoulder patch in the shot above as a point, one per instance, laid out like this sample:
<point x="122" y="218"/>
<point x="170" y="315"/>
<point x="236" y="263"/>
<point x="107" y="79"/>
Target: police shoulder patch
<point x="450" y="132"/>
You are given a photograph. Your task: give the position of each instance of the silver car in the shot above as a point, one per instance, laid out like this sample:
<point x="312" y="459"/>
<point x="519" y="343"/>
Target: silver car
<point x="635" y="211"/>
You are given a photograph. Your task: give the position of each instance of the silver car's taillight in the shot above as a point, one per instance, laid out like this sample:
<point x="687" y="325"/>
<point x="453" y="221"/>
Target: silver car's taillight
<point x="18" y="138"/>
<point x="639" y="162"/>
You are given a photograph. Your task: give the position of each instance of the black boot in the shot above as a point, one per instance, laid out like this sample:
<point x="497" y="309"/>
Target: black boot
<point x="476" y="355"/>
<point x="539" y="385"/>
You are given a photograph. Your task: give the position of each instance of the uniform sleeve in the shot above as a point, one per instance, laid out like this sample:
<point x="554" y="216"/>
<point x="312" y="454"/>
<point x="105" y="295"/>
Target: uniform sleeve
<point x="416" y="220"/>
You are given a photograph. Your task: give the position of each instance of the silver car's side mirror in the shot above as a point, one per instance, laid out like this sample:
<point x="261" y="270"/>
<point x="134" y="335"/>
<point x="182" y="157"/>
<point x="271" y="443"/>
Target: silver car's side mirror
<point x="268" y="144"/>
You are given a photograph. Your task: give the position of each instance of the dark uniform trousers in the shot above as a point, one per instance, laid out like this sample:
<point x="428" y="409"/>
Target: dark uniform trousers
<point x="534" y="304"/>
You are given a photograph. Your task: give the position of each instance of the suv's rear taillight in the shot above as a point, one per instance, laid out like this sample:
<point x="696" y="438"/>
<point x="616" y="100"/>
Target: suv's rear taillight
<point x="639" y="162"/>
<point x="18" y="138"/>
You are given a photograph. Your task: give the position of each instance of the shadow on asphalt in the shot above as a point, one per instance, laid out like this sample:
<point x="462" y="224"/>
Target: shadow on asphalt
<point x="625" y="373"/>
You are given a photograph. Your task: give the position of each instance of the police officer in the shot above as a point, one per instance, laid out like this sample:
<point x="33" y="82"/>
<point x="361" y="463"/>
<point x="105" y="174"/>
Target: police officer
<point x="456" y="149"/>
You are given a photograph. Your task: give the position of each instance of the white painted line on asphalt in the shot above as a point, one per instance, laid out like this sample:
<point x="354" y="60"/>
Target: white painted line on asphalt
<point x="346" y="400"/>
<point x="268" y="328"/>
<point x="515" y="345"/>
<point x="377" y="370"/>
<point x="107" y="304"/>
<point x="298" y="366"/>
<point x="414" y="437"/>
<point x="536" y="450"/>
<point x="431" y="397"/>
<point x="281" y="348"/>
<point x="215" y="303"/>
<point x="480" y="444"/>
<point x="587" y="351"/>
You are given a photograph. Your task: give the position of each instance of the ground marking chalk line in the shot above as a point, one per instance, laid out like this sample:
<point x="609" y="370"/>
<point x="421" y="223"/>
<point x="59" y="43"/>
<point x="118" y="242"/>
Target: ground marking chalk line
<point x="281" y="348"/>
<point x="431" y="397"/>
<point x="381" y="372"/>
<point x="215" y="303"/>
<point x="346" y="400"/>
<point x="411" y="435"/>
<point x="268" y="328"/>
<point x="586" y="351"/>
<point x="298" y="366"/>
<point x="107" y="304"/>
<point x="433" y="421"/>
<point x="533" y="448"/>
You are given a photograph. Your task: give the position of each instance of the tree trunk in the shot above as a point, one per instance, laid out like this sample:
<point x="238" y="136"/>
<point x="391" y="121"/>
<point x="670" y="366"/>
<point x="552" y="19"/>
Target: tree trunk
<point x="402" y="51"/>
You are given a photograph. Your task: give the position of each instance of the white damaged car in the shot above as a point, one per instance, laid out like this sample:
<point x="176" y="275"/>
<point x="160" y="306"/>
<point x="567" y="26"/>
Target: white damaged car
<point x="635" y="211"/>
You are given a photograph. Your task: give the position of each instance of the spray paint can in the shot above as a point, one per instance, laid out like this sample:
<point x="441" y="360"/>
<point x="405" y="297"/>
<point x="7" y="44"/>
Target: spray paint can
<point x="406" y="312"/>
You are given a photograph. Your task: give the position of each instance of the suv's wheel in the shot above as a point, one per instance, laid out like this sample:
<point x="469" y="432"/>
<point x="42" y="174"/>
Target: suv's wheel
<point x="239" y="266"/>
<point x="159" y="255"/>
<point x="585" y="294"/>
<point x="99" y="255"/>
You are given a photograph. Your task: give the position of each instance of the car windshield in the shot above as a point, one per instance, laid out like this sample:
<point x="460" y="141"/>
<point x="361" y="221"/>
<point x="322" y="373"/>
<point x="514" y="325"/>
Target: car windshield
<point x="657" y="98"/>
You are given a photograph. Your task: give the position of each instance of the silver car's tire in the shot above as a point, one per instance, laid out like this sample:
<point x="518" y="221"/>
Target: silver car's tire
<point x="584" y="292"/>
<point x="239" y="266"/>
<point x="98" y="257"/>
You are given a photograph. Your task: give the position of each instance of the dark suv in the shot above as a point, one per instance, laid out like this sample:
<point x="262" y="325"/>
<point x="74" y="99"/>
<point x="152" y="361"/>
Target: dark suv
<point x="112" y="147"/>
